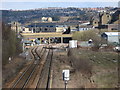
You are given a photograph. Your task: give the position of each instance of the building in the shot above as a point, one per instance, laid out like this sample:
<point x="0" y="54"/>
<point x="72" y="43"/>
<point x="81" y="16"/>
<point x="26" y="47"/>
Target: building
<point x="49" y="19"/>
<point x="16" y="26"/>
<point x="105" y="18"/>
<point x="101" y="19"/>
<point x="95" y="22"/>
<point x="46" y="19"/>
<point x="113" y="27"/>
<point x="73" y="29"/>
<point x="52" y="27"/>
<point x="85" y="27"/>
<point x="111" y="37"/>
<point x="115" y="17"/>
<point x="61" y="28"/>
<point x="42" y="27"/>
<point x="26" y="30"/>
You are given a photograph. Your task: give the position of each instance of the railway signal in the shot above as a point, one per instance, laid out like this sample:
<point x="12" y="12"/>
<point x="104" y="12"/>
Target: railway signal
<point x="66" y="77"/>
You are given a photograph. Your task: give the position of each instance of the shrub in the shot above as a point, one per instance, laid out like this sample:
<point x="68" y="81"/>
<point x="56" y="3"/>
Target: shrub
<point x="81" y="64"/>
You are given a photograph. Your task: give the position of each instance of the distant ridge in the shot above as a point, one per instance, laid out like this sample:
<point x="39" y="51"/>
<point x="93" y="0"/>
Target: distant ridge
<point x="37" y="5"/>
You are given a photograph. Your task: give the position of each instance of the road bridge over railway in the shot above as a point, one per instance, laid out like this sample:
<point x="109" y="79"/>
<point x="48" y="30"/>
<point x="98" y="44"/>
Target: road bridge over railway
<point x="46" y="35"/>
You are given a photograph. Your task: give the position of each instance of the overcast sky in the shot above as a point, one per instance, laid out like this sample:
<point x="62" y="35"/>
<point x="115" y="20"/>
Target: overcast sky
<point x="32" y="4"/>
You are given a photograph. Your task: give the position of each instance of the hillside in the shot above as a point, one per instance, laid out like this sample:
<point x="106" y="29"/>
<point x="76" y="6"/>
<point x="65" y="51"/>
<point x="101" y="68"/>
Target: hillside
<point x="24" y="16"/>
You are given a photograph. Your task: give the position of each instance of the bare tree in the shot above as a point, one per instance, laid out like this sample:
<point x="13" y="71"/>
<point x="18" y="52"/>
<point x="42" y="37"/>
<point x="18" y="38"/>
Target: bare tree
<point x="90" y="34"/>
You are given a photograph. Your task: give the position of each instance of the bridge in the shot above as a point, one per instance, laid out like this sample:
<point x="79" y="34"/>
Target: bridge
<point x="46" y="35"/>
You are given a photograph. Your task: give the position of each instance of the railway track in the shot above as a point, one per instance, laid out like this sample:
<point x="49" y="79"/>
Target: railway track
<point x="37" y="74"/>
<point x="27" y="74"/>
<point x="44" y="79"/>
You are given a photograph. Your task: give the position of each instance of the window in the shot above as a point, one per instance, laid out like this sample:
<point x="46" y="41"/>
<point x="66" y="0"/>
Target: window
<point x="51" y="26"/>
<point x="45" y="29"/>
<point x="114" y="29"/>
<point x="29" y="29"/>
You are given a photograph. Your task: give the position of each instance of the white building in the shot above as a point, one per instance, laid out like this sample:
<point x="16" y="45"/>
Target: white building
<point x="61" y="28"/>
<point x="48" y="19"/>
<point x="113" y="37"/>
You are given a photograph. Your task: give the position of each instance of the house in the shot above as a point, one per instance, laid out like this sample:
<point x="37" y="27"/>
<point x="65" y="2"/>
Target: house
<point x="105" y="18"/>
<point x="102" y="20"/>
<point x="115" y="17"/>
<point x="94" y="21"/>
<point x="16" y="26"/>
<point x="111" y="37"/>
<point x="48" y="19"/>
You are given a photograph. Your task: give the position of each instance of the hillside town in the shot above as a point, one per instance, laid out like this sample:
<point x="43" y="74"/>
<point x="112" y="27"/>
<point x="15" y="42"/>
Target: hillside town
<point x="59" y="47"/>
<point x="105" y="19"/>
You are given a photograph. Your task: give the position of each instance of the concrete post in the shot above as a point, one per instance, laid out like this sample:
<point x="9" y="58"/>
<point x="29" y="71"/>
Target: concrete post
<point x="61" y="39"/>
<point x="49" y="40"/>
<point x="40" y="41"/>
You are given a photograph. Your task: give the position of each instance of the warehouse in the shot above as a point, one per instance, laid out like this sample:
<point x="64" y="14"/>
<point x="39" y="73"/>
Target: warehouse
<point x="112" y="37"/>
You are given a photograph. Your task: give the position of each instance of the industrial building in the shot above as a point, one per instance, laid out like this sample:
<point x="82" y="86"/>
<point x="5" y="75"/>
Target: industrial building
<point x="111" y="37"/>
<point x="42" y="27"/>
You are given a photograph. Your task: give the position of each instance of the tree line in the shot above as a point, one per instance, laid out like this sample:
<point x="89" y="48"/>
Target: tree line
<point x="11" y="45"/>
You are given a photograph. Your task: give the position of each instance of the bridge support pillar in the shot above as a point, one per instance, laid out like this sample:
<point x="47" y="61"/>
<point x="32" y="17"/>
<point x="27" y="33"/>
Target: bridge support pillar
<point x="61" y="39"/>
<point x="49" y="40"/>
<point x="40" y="41"/>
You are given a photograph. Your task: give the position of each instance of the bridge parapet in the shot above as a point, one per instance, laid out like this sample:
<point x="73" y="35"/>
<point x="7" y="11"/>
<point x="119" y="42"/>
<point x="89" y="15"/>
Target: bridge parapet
<point x="41" y="35"/>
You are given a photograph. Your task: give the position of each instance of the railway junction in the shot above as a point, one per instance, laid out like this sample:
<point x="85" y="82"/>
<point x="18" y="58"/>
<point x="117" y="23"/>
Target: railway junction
<point x="45" y="69"/>
<point x="38" y="73"/>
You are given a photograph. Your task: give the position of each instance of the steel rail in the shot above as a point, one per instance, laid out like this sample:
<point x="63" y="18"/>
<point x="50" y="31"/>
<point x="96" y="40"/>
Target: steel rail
<point x="22" y="74"/>
<point x="49" y="72"/>
<point x="27" y="81"/>
<point x="48" y="63"/>
<point x="29" y="68"/>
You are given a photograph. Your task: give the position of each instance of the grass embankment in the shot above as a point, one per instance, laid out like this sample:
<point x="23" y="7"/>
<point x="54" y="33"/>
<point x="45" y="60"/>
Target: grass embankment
<point x="101" y="67"/>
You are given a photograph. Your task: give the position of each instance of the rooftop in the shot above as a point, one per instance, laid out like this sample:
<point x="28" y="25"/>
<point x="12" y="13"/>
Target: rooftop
<point x="112" y="33"/>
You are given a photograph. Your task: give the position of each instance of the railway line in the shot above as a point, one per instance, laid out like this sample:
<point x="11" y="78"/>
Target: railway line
<point x="38" y="71"/>
<point x="23" y="79"/>
<point x="44" y="79"/>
